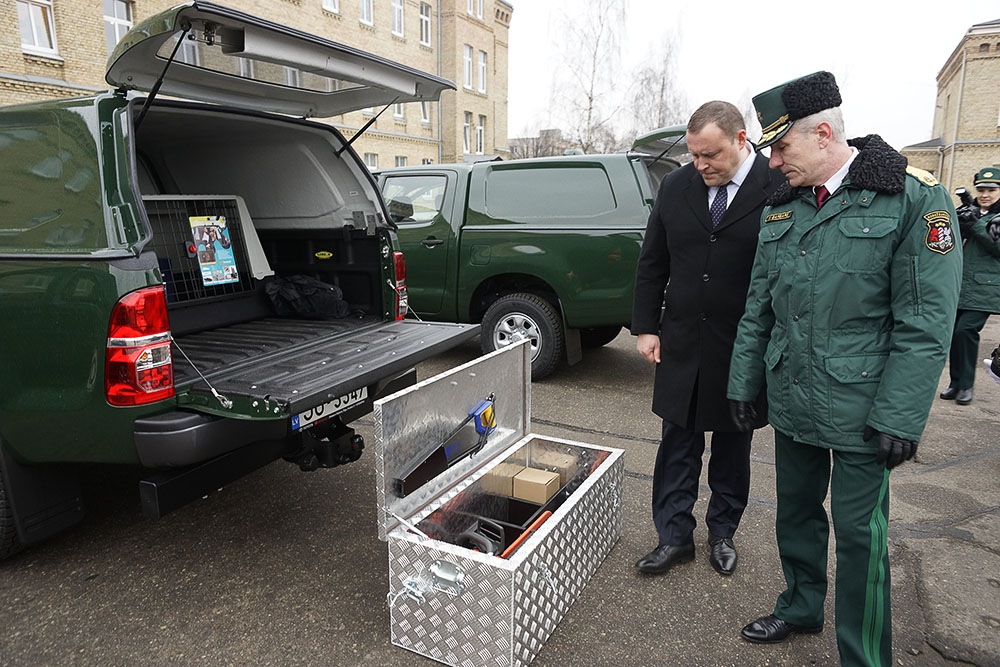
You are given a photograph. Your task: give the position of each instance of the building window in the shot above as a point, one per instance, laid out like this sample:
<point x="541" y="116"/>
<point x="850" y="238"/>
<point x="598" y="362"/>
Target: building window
<point x="426" y="160"/>
<point x="332" y="6"/>
<point x="400" y="160"/>
<point x="479" y="8"/>
<point x="371" y="160"/>
<point x="466" y="132"/>
<point x="397" y="17"/>
<point x="117" y="21"/>
<point x="425" y="111"/>
<point x="368" y="111"/>
<point x="472" y="6"/>
<point x="480" y="135"/>
<point x="425" y="24"/>
<point x="189" y="52"/>
<point x="366" y="12"/>
<point x="482" y="71"/>
<point x="397" y="111"/>
<point x="38" y="34"/>
<point x="292" y="77"/>
<point x="467" y="75"/>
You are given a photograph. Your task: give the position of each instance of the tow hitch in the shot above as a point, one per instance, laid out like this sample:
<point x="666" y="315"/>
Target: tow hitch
<point x="327" y="445"/>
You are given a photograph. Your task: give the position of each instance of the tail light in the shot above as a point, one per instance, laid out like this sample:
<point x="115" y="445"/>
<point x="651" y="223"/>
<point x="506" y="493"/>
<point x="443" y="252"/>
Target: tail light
<point x="402" y="298"/>
<point x="138" y="367"/>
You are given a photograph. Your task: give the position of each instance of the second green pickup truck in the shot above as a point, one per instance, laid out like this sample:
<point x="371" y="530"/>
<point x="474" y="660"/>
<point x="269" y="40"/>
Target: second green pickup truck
<point x="541" y="248"/>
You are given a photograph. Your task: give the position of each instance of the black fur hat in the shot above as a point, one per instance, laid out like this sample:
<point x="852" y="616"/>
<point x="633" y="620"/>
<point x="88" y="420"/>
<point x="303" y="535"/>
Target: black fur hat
<point x="782" y="105"/>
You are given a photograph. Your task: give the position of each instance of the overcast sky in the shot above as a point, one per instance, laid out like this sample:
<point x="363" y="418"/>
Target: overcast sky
<point x="885" y="55"/>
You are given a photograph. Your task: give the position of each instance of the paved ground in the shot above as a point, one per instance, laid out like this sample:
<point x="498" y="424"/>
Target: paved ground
<point x="284" y="568"/>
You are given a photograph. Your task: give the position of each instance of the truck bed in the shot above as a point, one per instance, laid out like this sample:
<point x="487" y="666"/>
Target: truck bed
<point x="294" y="365"/>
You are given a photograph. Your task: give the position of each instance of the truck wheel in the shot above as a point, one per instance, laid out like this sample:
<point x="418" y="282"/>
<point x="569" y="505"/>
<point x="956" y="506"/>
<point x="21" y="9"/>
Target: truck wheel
<point x="517" y="317"/>
<point x="9" y="544"/>
<point x="598" y="336"/>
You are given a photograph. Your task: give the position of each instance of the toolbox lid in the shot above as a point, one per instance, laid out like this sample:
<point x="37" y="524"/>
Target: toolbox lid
<point x="412" y="424"/>
<point x="232" y="58"/>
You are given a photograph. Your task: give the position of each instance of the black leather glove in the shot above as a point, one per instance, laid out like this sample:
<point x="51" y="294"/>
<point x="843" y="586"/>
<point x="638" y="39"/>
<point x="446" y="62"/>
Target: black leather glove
<point x="892" y="450"/>
<point x="967" y="217"/>
<point x="744" y="414"/>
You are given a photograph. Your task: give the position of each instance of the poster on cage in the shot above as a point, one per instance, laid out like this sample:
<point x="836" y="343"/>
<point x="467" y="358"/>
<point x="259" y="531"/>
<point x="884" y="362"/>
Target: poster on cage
<point x="215" y="249"/>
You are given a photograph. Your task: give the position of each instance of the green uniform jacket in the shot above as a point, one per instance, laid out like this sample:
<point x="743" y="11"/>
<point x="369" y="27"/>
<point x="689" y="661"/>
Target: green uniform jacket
<point x="851" y="308"/>
<point x="981" y="274"/>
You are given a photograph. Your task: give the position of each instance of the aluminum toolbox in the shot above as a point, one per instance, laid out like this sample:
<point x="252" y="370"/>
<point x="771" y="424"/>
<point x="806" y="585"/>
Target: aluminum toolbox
<point x="459" y="605"/>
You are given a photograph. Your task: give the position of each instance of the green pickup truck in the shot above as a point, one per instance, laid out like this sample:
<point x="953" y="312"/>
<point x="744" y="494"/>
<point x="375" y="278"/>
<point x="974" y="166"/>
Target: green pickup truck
<point x="139" y="240"/>
<point x="540" y="248"/>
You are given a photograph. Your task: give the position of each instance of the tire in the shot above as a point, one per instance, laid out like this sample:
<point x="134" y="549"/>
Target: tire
<point x="515" y="317"/>
<point x="9" y="544"/>
<point x="598" y="336"/>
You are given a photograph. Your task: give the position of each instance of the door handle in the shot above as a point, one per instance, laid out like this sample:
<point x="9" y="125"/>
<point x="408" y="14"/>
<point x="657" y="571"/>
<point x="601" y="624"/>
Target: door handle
<point x="432" y="242"/>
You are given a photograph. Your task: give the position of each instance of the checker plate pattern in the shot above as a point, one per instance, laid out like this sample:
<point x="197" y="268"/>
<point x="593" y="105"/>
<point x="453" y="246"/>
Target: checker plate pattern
<point x="508" y="608"/>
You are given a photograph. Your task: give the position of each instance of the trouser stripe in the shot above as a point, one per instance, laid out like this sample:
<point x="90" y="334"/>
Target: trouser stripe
<point x="874" y="615"/>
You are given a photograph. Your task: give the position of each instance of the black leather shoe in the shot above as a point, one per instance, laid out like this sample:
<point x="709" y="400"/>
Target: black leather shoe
<point x="770" y="630"/>
<point x="949" y="393"/>
<point x="665" y="556"/>
<point x="964" y="396"/>
<point x="722" y="554"/>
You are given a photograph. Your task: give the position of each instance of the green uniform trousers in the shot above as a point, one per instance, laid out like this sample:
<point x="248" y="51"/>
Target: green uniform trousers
<point x="964" y="356"/>
<point x="859" y="503"/>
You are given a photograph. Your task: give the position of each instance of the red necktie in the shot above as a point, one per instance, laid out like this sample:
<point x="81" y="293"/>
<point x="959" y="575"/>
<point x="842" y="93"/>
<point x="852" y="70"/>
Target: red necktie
<point x="822" y="194"/>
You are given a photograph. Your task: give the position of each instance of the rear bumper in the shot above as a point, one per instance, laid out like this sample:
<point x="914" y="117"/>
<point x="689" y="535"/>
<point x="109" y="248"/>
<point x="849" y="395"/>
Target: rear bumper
<point x="182" y="438"/>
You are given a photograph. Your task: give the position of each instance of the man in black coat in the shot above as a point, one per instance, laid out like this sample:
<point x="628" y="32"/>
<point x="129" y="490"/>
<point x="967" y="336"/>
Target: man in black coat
<point x="699" y="247"/>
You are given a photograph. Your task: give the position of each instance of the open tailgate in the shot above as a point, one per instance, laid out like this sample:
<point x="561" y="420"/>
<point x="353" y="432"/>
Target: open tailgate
<point x="271" y="380"/>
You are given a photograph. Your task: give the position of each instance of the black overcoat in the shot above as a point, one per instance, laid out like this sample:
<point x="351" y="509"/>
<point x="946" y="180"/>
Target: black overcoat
<point x="706" y="274"/>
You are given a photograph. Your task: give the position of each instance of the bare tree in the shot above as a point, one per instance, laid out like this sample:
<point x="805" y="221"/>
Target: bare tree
<point x="591" y="59"/>
<point x="657" y="100"/>
<point x="546" y="143"/>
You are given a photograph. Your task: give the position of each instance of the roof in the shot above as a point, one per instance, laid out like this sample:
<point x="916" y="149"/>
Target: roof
<point x="933" y="143"/>
<point x="987" y="23"/>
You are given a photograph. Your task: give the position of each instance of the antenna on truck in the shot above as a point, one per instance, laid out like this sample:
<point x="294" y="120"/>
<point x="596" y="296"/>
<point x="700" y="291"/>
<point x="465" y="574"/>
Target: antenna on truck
<point x="159" y="80"/>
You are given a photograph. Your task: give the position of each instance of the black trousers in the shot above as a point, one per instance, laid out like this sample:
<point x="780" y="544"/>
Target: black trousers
<point x="964" y="355"/>
<point x="675" y="482"/>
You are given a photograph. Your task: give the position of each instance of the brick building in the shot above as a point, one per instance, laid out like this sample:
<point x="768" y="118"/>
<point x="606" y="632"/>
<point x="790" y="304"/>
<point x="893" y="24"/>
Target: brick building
<point x="967" y="116"/>
<point x="59" y="48"/>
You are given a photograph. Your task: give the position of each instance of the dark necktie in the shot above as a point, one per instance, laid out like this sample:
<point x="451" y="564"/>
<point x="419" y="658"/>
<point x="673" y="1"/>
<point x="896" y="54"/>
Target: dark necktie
<point x="718" y="208"/>
<point x="822" y="194"/>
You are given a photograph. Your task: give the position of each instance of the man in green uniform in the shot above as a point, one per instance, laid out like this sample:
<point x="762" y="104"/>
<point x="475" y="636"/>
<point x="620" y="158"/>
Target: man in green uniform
<point x="980" y="228"/>
<point x="848" y="319"/>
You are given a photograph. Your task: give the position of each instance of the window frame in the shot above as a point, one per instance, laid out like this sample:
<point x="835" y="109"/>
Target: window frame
<point x="471" y="6"/>
<point x="362" y="6"/>
<point x="114" y="21"/>
<point x="332" y="6"/>
<point x="397" y="12"/>
<point x="425" y="111"/>
<point x="398" y="112"/>
<point x="371" y="161"/>
<point x="467" y="51"/>
<point x="482" y="72"/>
<point x="401" y="161"/>
<point x="48" y="15"/>
<point x="425" y="22"/>
<point x="479" y="9"/>
<point x="467" y="132"/>
<point x="481" y="135"/>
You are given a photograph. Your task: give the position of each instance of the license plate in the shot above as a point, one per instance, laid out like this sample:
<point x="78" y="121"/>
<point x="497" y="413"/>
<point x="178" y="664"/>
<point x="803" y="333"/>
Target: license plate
<point x="328" y="409"/>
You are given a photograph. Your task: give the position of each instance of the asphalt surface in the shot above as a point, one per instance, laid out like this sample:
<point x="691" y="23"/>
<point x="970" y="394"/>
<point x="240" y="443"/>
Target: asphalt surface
<point x="285" y="568"/>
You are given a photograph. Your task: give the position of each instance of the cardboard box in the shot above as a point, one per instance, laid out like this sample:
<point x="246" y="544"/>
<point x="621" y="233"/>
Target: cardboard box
<point x="566" y="464"/>
<point x="500" y="480"/>
<point x="535" y="485"/>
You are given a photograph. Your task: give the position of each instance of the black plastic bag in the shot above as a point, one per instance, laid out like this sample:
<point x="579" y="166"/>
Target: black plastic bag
<point x="306" y="297"/>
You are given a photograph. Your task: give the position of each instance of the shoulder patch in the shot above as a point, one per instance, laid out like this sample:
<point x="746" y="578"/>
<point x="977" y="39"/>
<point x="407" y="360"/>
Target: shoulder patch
<point x="921" y="175"/>
<point x="939" y="237"/>
<point x="784" y="215"/>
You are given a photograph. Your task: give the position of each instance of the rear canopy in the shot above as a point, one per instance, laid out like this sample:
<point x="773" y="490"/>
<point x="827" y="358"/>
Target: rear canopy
<point x="231" y="58"/>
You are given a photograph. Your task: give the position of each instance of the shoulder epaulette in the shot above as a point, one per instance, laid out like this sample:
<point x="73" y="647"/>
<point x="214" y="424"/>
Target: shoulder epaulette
<point x="922" y="176"/>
